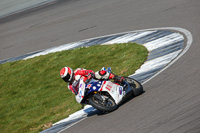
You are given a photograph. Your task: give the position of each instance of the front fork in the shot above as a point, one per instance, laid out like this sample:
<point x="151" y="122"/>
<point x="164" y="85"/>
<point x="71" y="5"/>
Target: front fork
<point x="128" y="92"/>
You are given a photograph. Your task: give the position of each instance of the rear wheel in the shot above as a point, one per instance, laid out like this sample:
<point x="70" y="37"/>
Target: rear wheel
<point x="137" y="87"/>
<point x="102" y="102"/>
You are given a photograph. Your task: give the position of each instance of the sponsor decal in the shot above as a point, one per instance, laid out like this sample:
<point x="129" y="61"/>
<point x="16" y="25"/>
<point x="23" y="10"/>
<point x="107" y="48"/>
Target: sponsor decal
<point x="80" y="94"/>
<point x="102" y="85"/>
<point x="109" y="86"/>
<point x="88" y="86"/>
<point x="80" y="86"/>
<point x="120" y="90"/>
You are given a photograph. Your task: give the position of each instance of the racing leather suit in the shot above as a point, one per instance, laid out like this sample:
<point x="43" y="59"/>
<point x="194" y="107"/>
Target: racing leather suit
<point x="83" y="73"/>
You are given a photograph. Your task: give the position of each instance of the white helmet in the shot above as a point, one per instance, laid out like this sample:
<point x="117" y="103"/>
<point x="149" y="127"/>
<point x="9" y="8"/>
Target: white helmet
<point x="66" y="74"/>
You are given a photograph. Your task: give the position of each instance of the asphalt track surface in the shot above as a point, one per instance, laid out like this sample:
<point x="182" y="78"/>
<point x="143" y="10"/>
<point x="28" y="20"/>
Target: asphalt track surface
<point x="171" y="102"/>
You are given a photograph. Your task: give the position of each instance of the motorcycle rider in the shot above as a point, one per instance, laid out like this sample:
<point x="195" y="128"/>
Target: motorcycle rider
<point x="72" y="77"/>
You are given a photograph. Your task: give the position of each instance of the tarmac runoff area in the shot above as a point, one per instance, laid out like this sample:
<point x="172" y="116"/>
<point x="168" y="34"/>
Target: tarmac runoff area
<point x="165" y="45"/>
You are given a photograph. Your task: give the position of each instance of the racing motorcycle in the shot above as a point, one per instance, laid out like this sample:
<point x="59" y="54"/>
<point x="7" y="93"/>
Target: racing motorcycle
<point x="107" y="95"/>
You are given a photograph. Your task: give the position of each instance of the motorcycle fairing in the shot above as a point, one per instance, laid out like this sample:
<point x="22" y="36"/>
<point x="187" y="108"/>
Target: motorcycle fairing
<point x="116" y="91"/>
<point x="81" y="91"/>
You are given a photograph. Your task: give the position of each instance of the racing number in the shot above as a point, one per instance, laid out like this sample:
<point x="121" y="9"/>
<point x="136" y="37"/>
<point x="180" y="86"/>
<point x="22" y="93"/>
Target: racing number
<point x="108" y="87"/>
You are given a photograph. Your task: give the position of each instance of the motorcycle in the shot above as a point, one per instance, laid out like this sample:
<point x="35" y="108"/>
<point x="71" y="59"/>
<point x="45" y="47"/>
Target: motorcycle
<point x="107" y="95"/>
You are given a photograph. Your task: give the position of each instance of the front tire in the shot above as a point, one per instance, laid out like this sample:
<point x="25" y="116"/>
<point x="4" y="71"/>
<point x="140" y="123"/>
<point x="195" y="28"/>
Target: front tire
<point x="137" y="87"/>
<point x="102" y="102"/>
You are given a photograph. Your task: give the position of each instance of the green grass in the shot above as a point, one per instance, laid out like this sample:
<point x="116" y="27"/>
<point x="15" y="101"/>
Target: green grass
<point x="33" y="94"/>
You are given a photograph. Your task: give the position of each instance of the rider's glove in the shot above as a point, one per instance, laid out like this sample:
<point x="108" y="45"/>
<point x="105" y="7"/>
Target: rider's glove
<point x="89" y="77"/>
<point x="119" y="79"/>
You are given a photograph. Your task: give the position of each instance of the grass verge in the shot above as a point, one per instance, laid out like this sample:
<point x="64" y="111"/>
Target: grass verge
<point x="32" y="94"/>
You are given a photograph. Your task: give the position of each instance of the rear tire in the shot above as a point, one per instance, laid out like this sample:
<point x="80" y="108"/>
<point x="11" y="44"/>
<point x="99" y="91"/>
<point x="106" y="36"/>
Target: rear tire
<point x="137" y="87"/>
<point x="106" y="105"/>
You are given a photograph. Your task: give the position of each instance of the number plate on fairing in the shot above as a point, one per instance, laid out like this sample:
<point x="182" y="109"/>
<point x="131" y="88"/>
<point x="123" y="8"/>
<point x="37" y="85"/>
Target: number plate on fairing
<point x="116" y="91"/>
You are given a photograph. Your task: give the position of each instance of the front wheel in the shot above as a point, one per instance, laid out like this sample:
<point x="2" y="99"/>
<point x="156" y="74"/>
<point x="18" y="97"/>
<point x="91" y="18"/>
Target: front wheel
<point x="102" y="102"/>
<point x="135" y="85"/>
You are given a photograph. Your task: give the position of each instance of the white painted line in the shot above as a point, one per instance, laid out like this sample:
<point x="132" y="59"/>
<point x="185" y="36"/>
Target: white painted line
<point x="72" y="125"/>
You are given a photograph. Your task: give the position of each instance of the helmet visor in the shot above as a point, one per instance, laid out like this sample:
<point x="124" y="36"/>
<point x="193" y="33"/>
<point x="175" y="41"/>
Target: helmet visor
<point x="66" y="78"/>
